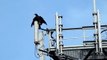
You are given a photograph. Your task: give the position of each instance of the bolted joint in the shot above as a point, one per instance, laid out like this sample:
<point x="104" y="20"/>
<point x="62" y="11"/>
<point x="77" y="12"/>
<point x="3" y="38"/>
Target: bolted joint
<point x="95" y="34"/>
<point x="94" y="14"/>
<point x="60" y="35"/>
<point x="36" y="42"/>
<point x="61" y="45"/>
<point x="61" y="25"/>
<point x="60" y="16"/>
<point x="95" y="23"/>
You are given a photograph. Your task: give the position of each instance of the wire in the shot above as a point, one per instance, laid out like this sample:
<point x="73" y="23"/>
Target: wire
<point x="103" y="30"/>
<point x="104" y="33"/>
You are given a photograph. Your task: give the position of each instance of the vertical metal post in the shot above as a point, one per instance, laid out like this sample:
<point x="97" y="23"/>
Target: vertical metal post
<point x="50" y="39"/>
<point x="99" y="32"/>
<point x="96" y="26"/>
<point x="50" y="42"/>
<point x="97" y="29"/>
<point x="94" y="6"/>
<point x="60" y="34"/>
<point x="41" y="45"/>
<point x="57" y="31"/>
<point x="36" y="33"/>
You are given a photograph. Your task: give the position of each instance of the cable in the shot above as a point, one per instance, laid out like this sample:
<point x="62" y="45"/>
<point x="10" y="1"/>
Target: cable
<point x="104" y="30"/>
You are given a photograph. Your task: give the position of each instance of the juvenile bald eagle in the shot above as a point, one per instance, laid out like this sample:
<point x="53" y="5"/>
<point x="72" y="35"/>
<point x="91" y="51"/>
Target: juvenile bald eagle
<point x="39" y="19"/>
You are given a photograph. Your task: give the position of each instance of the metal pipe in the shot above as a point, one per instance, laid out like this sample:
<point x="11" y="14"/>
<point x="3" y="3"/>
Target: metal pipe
<point x="84" y="27"/>
<point x="50" y="39"/>
<point x="36" y="33"/>
<point x="57" y="31"/>
<point x="60" y="34"/>
<point x="94" y="5"/>
<point x="79" y="28"/>
<point x="99" y="32"/>
<point x="41" y="45"/>
<point x="96" y="26"/>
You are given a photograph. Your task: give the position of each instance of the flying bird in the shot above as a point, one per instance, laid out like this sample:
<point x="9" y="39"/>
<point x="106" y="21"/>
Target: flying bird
<point x="39" y="19"/>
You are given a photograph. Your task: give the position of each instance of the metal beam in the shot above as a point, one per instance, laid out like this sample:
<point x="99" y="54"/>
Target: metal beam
<point x="89" y="53"/>
<point x="77" y="28"/>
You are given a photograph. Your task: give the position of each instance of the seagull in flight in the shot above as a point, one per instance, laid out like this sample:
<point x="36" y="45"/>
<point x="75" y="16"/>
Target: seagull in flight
<point x="39" y="19"/>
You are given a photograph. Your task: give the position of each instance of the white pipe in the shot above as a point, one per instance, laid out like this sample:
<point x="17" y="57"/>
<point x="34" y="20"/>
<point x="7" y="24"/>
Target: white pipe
<point x="36" y="32"/>
<point x="60" y="34"/>
<point x="50" y="39"/>
<point x="95" y="24"/>
<point x="41" y="45"/>
<point x="57" y="30"/>
<point x="94" y="5"/>
<point x="99" y="32"/>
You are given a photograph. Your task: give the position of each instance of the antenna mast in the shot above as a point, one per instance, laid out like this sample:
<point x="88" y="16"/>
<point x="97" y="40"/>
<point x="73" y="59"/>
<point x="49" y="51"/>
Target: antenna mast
<point x="97" y="26"/>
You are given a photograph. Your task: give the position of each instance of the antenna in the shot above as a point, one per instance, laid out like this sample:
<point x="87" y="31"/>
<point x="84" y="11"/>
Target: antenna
<point x="97" y="34"/>
<point x="36" y="33"/>
<point x="38" y="40"/>
<point x="59" y="33"/>
<point x="90" y="50"/>
<point x="94" y="6"/>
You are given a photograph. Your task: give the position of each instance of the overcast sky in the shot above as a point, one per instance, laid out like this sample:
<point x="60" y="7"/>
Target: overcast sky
<point x="16" y="35"/>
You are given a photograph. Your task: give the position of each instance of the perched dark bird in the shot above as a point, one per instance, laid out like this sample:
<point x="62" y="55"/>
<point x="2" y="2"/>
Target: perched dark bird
<point x="39" y="19"/>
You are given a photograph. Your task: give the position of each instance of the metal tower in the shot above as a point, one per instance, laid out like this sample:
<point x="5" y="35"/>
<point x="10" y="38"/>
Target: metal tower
<point x="95" y="49"/>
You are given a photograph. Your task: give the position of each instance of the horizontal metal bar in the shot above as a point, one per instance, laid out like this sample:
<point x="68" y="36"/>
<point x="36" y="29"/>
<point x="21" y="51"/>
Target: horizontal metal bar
<point x="78" y="28"/>
<point x="78" y="47"/>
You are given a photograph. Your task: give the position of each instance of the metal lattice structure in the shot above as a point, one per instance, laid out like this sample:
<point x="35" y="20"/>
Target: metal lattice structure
<point x="90" y="50"/>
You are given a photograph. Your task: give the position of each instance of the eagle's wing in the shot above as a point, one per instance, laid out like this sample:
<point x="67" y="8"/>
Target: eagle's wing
<point x="42" y="20"/>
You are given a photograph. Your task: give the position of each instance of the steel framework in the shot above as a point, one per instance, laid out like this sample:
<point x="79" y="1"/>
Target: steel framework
<point x="90" y="50"/>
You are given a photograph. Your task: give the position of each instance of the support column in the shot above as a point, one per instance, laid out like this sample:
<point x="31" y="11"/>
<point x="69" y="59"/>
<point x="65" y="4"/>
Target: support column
<point x="57" y="31"/>
<point x="99" y="33"/>
<point x="38" y="40"/>
<point x="95" y="23"/>
<point x="60" y="34"/>
<point x="36" y="33"/>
